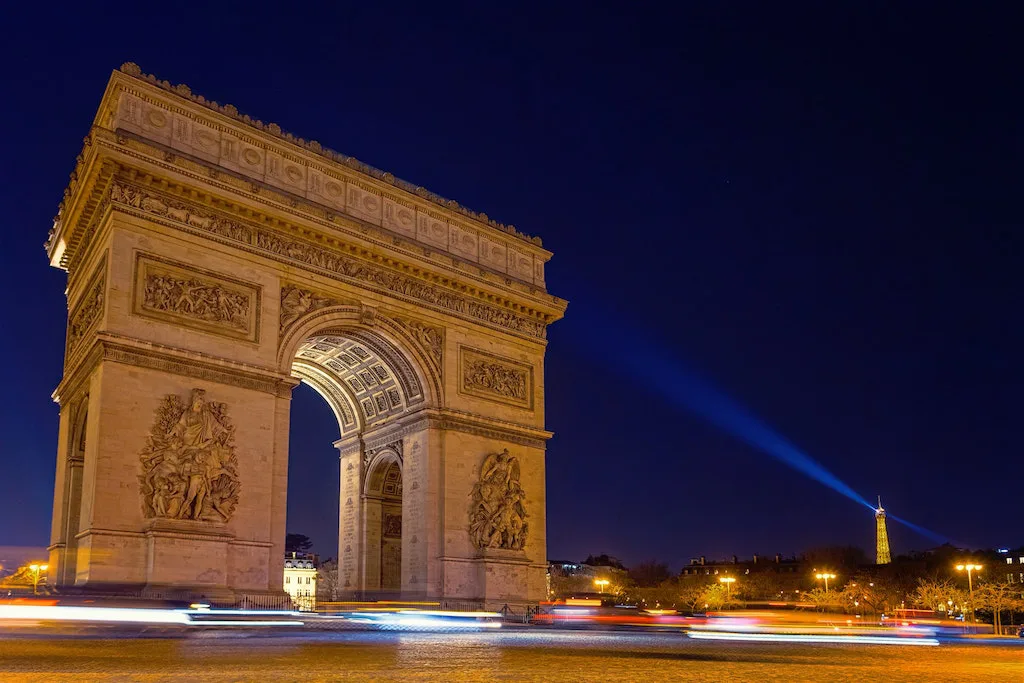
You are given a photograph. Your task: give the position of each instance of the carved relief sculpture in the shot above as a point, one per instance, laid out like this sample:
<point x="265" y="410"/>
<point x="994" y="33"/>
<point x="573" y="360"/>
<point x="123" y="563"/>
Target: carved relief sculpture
<point x="498" y="517"/>
<point x="496" y="378"/>
<point x="189" y="466"/>
<point x="392" y="526"/>
<point x="432" y="338"/>
<point x="88" y="310"/>
<point x="198" y="299"/>
<point x="177" y="293"/>
<point x="297" y="302"/>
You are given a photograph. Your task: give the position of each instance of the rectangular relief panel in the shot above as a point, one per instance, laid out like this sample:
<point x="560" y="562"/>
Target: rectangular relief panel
<point x="88" y="309"/>
<point x="495" y="378"/>
<point x="181" y="294"/>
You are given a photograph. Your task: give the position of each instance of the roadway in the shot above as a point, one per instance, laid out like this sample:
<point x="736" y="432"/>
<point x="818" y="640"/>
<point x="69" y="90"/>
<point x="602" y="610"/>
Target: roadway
<point x="526" y="654"/>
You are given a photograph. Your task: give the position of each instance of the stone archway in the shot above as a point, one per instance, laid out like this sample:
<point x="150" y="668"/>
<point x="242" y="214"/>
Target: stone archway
<point x="382" y="387"/>
<point x="382" y="526"/>
<point x="213" y="263"/>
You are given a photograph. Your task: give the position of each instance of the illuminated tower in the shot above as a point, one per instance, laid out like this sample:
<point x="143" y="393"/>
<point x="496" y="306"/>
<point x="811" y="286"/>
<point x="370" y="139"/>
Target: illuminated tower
<point x="882" y="540"/>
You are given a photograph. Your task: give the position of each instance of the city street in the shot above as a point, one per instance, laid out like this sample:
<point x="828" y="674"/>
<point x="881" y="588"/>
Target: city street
<point x="522" y="655"/>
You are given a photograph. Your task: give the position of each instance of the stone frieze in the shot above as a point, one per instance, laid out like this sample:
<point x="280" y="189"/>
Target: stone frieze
<point x="498" y="379"/>
<point x="89" y="308"/>
<point x="181" y="294"/>
<point x="325" y="259"/>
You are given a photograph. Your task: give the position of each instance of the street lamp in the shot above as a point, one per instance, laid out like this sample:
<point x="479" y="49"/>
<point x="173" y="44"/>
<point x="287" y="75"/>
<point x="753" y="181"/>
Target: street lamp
<point x="970" y="583"/>
<point x="826" y="576"/>
<point x="728" y="581"/>
<point x="36" y="568"/>
<point x="601" y="583"/>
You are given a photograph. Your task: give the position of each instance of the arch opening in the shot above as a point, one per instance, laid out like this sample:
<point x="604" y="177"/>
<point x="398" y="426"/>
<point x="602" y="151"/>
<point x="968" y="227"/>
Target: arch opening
<point x="367" y="382"/>
<point x="73" y="482"/>
<point x="382" y="512"/>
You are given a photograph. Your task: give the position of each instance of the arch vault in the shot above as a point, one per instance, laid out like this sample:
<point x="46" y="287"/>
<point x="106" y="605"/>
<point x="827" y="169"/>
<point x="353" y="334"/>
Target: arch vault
<point x="214" y="263"/>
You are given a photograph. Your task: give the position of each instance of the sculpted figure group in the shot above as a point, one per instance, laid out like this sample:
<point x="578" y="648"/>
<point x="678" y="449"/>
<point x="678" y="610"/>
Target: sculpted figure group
<point x="498" y="519"/>
<point x="198" y="299"/>
<point x="497" y="378"/>
<point x="189" y="467"/>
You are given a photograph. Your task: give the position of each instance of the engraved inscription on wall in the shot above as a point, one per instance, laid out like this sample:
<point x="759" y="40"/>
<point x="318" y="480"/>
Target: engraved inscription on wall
<point x="183" y="295"/>
<point x="495" y="378"/>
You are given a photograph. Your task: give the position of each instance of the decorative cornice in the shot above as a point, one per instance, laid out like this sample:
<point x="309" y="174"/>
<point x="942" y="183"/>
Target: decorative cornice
<point x="119" y="349"/>
<point x="318" y="258"/>
<point x="181" y="90"/>
<point x="137" y="156"/>
<point x="459" y="421"/>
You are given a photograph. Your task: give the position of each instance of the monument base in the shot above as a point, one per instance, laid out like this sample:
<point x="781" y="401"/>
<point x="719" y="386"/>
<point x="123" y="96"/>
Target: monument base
<point x="190" y="555"/>
<point x="503" y="576"/>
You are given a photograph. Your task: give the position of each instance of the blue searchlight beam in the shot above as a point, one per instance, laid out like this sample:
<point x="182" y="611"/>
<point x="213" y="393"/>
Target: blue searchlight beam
<point x="686" y="389"/>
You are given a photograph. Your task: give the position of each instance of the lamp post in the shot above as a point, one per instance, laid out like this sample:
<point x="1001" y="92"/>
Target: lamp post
<point x="601" y="583"/>
<point x="826" y="576"/>
<point x="36" y="568"/>
<point x="728" y="581"/>
<point x="970" y="583"/>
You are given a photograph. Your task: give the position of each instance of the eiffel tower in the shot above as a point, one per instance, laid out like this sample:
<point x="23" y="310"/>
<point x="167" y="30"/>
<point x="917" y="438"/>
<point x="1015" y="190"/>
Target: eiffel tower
<point x="882" y="536"/>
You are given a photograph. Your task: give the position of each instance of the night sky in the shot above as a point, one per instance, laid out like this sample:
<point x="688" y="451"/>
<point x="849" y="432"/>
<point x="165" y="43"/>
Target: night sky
<point x="816" y="208"/>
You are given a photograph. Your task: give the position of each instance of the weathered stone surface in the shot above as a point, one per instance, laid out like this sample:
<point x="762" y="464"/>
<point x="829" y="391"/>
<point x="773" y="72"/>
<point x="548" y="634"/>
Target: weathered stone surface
<point x="212" y="264"/>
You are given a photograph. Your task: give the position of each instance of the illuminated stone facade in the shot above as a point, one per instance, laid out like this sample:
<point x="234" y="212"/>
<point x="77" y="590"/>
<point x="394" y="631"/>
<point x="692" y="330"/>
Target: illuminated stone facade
<point x="300" y="581"/>
<point x="215" y="262"/>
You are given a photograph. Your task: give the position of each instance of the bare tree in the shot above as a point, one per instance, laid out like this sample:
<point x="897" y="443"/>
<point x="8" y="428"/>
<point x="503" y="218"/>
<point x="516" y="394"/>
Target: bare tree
<point x="327" y="581"/>
<point x="997" y="598"/>
<point x="940" y="596"/>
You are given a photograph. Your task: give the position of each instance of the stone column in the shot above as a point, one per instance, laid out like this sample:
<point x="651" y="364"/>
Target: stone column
<point x="57" y="572"/>
<point x="350" y="537"/>
<point x="422" y="513"/>
<point x="372" y="515"/>
<point x="278" y="493"/>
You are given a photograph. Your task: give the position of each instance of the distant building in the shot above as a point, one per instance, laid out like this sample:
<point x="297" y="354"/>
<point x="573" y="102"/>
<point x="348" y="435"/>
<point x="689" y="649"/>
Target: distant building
<point x="1012" y="563"/>
<point x="566" y="578"/>
<point x="882" y="555"/>
<point x="766" y="577"/>
<point x="300" y="580"/>
<point x="700" y="566"/>
<point x="568" y="568"/>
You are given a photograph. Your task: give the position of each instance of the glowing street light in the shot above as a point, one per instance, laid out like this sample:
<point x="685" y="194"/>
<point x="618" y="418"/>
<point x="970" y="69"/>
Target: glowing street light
<point x="601" y="583"/>
<point x="970" y="583"/>
<point x="826" y="576"/>
<point x="728" y="581"/>
<point x="36" y="568"/>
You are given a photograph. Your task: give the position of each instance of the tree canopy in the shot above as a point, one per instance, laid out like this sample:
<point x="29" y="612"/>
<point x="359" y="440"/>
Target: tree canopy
<point x="297" y="543"/>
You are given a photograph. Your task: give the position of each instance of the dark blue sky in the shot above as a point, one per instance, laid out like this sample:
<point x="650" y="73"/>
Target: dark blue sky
<point x="816" y="207"/>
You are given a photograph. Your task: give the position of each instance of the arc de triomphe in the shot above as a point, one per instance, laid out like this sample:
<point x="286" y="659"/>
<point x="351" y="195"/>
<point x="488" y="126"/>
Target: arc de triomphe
<point x="215" y="262"/>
